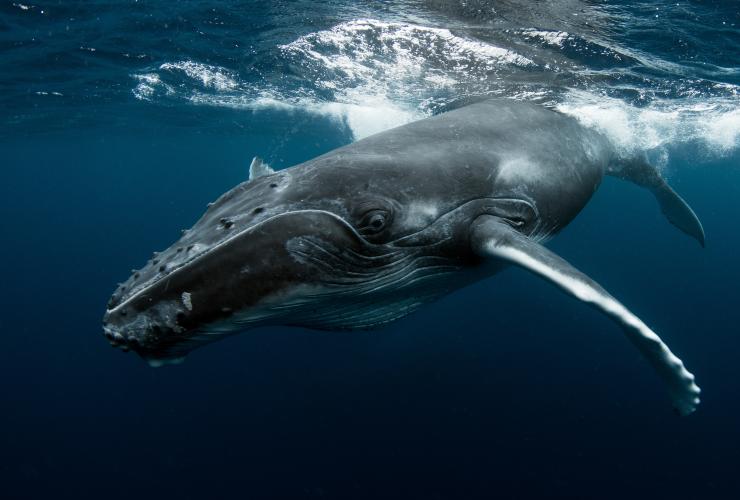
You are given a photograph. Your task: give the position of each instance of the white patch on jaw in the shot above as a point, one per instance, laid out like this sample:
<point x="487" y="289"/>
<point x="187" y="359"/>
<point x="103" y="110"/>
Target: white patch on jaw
<point x="187" y="302"/>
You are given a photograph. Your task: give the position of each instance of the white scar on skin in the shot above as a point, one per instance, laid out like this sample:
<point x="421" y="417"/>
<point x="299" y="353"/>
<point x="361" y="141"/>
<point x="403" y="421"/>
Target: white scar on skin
<point x="420" y="213"/>
<point x="187" y="301"/>
<point x="518" y="168"/>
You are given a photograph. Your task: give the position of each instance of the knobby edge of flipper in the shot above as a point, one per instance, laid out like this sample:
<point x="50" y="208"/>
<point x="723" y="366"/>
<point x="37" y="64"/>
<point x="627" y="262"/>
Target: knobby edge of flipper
<point x="491" y="237"/>
<point x="639" y="171"/>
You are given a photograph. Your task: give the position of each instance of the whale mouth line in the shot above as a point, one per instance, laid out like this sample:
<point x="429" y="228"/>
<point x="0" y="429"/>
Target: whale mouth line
<point x="146" y="286"/>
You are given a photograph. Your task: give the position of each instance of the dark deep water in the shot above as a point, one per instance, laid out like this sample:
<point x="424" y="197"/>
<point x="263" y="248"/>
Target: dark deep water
<point x="121" y="120"/>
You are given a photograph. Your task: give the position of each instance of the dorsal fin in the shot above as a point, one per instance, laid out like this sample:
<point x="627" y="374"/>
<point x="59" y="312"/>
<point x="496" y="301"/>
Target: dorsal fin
<point x="676" y="210"/>
<point x="258" y="168"/>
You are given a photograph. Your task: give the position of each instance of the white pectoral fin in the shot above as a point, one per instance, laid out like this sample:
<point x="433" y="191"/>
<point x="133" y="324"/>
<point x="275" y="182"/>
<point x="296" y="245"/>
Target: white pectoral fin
<point x="490" y="237"/>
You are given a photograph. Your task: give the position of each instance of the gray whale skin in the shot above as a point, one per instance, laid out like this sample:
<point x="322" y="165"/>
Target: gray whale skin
<point x="369" y="232"/>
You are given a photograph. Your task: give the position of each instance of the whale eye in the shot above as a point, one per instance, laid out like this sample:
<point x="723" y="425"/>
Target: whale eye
<point x="373" y="222"/>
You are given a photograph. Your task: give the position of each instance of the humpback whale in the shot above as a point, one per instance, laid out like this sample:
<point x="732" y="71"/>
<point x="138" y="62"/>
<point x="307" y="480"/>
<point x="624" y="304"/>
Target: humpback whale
<point x="370" y="232"/>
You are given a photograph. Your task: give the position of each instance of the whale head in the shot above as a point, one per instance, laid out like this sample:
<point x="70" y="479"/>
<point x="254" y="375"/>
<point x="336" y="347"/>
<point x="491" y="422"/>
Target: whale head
<point x="335" y="243"/>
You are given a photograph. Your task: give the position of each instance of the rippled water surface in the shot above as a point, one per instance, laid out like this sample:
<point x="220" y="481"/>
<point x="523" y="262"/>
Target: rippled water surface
<point x="122" y="119"/>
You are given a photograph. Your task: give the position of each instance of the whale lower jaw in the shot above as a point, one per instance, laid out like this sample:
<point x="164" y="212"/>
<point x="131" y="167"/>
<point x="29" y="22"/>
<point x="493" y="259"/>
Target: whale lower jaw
<point x="345" y="316"/>
<point x="327" y="308"/>
<point x="347" y="307"/>
<point x="345" y="313"/>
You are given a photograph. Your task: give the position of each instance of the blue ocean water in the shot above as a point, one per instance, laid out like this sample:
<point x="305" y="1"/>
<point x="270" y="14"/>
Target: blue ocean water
<point x="121" y="120"/>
